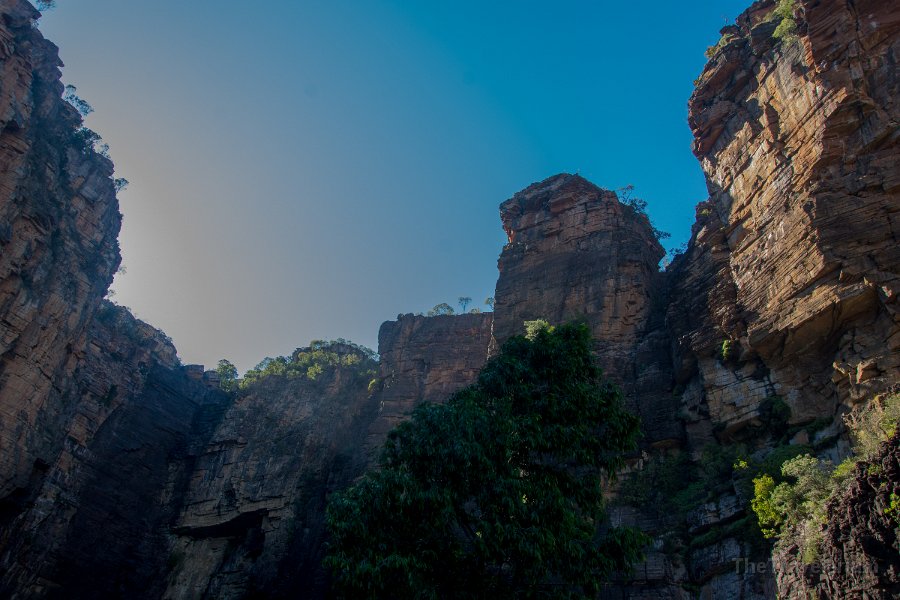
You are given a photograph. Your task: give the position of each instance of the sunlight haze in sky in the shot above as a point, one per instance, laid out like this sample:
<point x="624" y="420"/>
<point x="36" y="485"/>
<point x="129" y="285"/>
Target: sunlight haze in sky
<point x="309" y="169"/>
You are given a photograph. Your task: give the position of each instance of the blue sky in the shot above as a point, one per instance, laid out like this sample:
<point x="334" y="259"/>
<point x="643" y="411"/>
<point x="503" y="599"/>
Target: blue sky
<point x="309" y="169"/>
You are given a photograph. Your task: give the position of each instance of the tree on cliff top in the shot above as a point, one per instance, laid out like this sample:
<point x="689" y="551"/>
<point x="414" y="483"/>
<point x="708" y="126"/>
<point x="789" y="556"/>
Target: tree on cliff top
<point x="441" y="309"/>
<point x="498" y="492"/>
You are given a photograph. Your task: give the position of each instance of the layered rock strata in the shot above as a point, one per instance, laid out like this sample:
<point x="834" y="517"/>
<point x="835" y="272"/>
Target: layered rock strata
<point x="575" y="252"/>
<point x="794" y="259"/>
<point x="91" y="520"/>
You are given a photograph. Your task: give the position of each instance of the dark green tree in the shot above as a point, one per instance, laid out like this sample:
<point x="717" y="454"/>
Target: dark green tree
<point x="497" y="493"/>
<point x="228" y="375"/>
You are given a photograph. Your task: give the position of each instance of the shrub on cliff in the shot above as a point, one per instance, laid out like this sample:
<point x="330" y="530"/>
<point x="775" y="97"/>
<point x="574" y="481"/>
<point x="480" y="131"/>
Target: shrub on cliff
<point x="498" y="492"/>
<point x="793" y="509"/>
<point x="317" y="358"/>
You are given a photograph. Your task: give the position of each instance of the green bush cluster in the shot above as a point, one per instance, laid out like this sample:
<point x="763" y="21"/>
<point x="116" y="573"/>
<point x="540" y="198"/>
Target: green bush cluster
<point x="794" y="509"/>
<point x="310" y="362"/>
<point x="893" y="509"/>
<point x="790" y="505"/>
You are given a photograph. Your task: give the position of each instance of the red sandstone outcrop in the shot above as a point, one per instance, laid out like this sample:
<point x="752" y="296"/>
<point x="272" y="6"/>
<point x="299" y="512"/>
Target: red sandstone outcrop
<point x="576" y="252"/>
<point x="795" y="260"/>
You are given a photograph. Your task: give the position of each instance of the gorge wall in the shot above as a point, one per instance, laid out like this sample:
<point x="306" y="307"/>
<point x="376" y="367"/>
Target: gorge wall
<point x="122" y="475"/>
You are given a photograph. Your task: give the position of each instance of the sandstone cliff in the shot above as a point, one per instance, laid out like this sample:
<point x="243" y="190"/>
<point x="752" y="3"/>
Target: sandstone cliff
<point x="576" y="252"/>
<point x="792" y="267"/>
<point x="795" y="257"/>
<point x="121" y="476"/>
<point x="93" y="405"/>
<point x="59" y="221"/>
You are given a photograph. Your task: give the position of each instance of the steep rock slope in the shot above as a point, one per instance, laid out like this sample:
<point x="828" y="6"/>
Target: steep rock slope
<point x="93" y="405"/>
<point x="795" y="257"/>
<point x="59" y="221"/>
<point x="91" y="522"/>
<point x="787" y="293"/>
<point x="117" y="468"/>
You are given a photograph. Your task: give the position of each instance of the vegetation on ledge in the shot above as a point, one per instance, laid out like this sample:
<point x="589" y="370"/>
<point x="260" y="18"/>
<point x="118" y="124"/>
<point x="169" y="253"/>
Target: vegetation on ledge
<point x="306" y="363"/>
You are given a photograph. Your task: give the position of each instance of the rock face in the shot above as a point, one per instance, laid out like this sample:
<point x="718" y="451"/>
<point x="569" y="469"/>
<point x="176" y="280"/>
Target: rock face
<point x="787" y="293"/>
<point x="575" y="252"/>
<point x="795" y="258"/>
<point x="93" y="405"/>
<point x="90" y="520"/>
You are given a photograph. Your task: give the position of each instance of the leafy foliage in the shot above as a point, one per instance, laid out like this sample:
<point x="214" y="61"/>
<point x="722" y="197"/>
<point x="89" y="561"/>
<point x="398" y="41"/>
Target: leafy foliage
<point x="533" y="328"/>
<point x="725" y="351"/>
<point x="464" y="301"/>
<point x="893" y="509"/>
<point x="874" y="424"/>
<point x="793" y="510"/>
<point x="626" y="196"/>
<point x="319" y="357"/>
<point x="81" y="105"/>
<point x="498" y="492"/>
<point x="489" y="301"/>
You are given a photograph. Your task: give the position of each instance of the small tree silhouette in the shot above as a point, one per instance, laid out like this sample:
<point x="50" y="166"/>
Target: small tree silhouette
<point x="464" y="301"/>
<point x="441" y="309"/>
